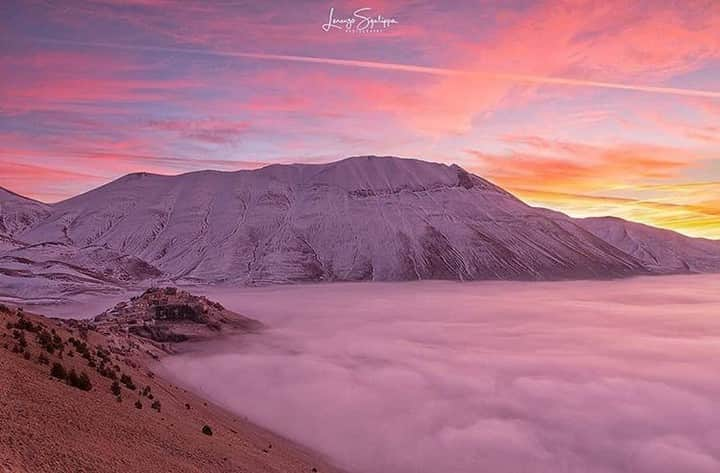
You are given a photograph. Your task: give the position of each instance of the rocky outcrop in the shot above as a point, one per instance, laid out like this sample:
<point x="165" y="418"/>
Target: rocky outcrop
<point x="169" y="315"/>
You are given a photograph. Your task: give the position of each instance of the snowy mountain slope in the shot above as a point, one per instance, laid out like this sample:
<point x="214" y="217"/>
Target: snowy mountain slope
<point x="17" y="213"/>
<point x="658" y="249"/>
<point x="362" y="218"/>
<point x="365" y="218"/>
<point x="92" y="261"/>
<point x="58" y="269"/>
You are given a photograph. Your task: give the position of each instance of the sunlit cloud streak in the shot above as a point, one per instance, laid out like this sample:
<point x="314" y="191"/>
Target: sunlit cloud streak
<point x="621" y="180"/>
<point x="404" y="68"/>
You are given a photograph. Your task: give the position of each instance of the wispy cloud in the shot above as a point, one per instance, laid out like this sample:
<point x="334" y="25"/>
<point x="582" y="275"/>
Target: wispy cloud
<point x="399" y="67"/>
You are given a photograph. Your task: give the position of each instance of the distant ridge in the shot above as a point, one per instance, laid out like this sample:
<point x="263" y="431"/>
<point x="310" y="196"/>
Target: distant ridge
<point x="657" y="248"/>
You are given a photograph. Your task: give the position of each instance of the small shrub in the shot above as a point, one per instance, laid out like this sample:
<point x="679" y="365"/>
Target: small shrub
<point x="207" y="430"/>
<point x="107" y="372"/>
<point x="81" y="381"/>
<point x="127" y="381"/>
<point x="85" y="383"/>
<point x="156" y="405"/>
<point x="58" y="371"/>
<point x="138" y="404"/>
<point x="44" y="338"/>
<point x="27" y="355"/>
<point x="50" y="342"/>
<point x="104" y="355"/>
<point x="23" y="324"/>
<point x="73" y="378"/>
<point x="80" y="347"/>
<point x="115" y="388"/>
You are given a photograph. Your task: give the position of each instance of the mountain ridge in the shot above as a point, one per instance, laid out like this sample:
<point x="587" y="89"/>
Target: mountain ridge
<point x="361" y="218"/>
<point x="657" y="246"/>
<point x="17" y="212"/>
<point x="276" y="171"/>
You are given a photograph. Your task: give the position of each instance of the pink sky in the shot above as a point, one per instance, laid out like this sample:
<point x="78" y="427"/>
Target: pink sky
<point x="587" y="107"/>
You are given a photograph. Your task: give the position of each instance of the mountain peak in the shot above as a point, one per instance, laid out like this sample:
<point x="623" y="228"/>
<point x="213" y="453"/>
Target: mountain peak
<point x="363" y="174"/>
<point x="382" y="174"/>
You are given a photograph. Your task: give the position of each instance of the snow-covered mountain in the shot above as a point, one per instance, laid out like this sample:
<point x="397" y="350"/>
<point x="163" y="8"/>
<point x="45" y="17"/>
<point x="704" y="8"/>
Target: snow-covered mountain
<point x="660" y="250"/>
<point x="362" y="218"/>
<point x="43" y="270"/>
<point x="17" y="213"/>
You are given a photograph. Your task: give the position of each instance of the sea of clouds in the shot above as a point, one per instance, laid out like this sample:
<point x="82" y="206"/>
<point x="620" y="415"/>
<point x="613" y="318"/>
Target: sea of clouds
<point x="614" y="376"/>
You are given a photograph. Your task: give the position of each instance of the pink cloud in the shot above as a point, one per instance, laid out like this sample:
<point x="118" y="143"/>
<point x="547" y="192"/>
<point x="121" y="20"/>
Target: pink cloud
<point x="206" y="130"/>
<point x="71" y="80"/>
<point x="538" y="163"/>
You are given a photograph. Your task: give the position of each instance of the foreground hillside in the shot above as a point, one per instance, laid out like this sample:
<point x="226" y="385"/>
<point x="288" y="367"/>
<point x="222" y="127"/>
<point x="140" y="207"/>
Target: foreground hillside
<point x="105" y="411"/>
<point x="363" y="218"/>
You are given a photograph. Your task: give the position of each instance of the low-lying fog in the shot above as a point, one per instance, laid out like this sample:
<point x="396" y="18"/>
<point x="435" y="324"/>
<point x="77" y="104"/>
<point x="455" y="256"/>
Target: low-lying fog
<point x="620" y="376"/>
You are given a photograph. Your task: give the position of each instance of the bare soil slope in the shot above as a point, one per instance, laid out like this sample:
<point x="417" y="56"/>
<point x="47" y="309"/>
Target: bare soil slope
<point x="49" y="424"/>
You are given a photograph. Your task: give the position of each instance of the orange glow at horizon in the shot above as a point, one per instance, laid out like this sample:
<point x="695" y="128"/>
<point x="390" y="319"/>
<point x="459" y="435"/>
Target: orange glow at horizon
<point x="692" y="216"/>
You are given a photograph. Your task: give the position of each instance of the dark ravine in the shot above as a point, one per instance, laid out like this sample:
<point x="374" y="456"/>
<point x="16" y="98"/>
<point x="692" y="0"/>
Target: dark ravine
<point x="362" y="218"/>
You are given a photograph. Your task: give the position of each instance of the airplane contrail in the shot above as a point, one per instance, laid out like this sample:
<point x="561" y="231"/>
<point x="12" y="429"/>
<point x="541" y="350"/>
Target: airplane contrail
<point x="390" y="66"/>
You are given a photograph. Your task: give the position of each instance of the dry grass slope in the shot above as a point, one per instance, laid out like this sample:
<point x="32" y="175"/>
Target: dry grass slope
<point x="50" y="426"/>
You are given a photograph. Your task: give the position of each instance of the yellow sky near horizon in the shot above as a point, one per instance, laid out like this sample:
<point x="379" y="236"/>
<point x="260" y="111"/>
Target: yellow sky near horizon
<point x="694" y="212"/>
